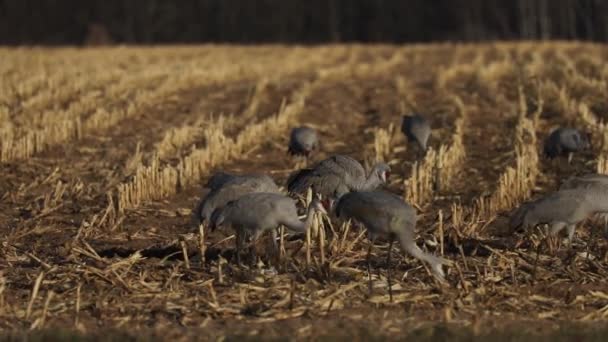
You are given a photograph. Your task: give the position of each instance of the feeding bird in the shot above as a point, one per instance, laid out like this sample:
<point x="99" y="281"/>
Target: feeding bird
<point x="417" y="129"/>
<point x="384" y="213"/>
<point x="337" y="174"/>
<point x="561" y="209"/>
<point x="585" y="181"/>
<point x="225" y="188"/>
<point x="302" y="141"/>
<point x="254" y="213"/>
<point x="590" y="180"/>
<point x="566" y="141"/>
<point x="263" y="182"/>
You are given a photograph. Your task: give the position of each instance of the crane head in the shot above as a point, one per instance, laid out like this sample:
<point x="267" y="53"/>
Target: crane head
<point x="383" y="171"/>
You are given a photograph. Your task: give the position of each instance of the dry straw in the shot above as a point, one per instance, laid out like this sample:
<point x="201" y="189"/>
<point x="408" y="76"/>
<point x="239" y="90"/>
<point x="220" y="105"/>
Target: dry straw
<point x="155" y="181"/>
<point x="515" y="184"/>
<point x="602" y="164"/>
<point x="132" y="95"/>
<point x="383" y="142"/>
<point x="436" y="171"/>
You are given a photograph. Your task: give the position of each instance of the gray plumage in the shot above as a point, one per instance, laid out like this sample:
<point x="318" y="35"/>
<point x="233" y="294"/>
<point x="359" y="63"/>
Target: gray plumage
<point x="561" y="209"/>
<point x="563" y="141"/>
<point x="417" y="129"/>
<point x="302" y="141"/>
<point x="225" y="188"/>
<point x="590" y="180"/>
<point x="585" y="181"/>
<point x="262" y="182"/>
<point x="254" y="213"/>
<point x="384" y="213"/>
<point x="337" y="175"/>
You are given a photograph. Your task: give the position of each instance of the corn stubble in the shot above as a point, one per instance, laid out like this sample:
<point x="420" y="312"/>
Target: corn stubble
<point x="189" y="279"/>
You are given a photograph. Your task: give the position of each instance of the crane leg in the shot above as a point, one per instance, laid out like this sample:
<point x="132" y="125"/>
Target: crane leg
<point x="555" y="229"/>
<point x="276" y="247"/>
<point x="369" y="265"/>
<point x="239" y="246"/>
<point x="254" y="255"/>
<point x="570" y="230"/>
<point x="388" y="268"/>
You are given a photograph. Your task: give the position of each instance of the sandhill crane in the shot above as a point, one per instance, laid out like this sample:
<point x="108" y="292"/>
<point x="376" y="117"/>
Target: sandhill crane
<point x="561" y="209"/>
<point x="337" y="174"/>
<point x="565" y="141"/>
<point x="384" y="213"/>
<point x="590" y="180"/>
<point x="261" y="181"/>
<point x="302" y="141"/>
<point x="585" y="181"/>
<point x="254" y="213"/>
<point x="417" y="129"/>
<point x="226" y="188"/>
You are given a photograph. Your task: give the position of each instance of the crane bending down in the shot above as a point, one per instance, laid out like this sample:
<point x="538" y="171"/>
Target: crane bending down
<point x="337" y="174"/>
<point x="590" y="180"/>
<point x="254" y="213"/>
<point x="417" y="129"/>
<point x="585" y="181"/>
<point x="562" y="209"/>
<point x="259" y="181"/>
<point x="565" y="141"/>
<point x="302" y="141"/>
<point x="384" y="213"/>
<point x="225" y="188"/>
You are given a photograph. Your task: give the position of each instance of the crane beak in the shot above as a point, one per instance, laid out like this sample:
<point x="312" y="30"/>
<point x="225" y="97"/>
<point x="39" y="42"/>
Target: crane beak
<point x="322" y="209"/>
<point x="385" y="176"/>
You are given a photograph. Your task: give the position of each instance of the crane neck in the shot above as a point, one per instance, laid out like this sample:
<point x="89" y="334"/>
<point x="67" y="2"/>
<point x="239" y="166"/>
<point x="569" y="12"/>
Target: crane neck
<point x="371" y="182"/>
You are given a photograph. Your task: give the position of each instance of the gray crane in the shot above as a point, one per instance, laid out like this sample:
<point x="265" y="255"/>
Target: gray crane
<point x="585" y="181"/>
<point x="561" y="209"/>
<point x="225" y="188"/>
<point x="417" y="129"/>
<point x="337" y="174"/>
<point x="590" y="180"/>
<point x="254" y="213"/>
<point x="384" y="213"/>
<point x="566" y="141"/>
<point x="263" y="182"/>
<point x="302" y="141"/>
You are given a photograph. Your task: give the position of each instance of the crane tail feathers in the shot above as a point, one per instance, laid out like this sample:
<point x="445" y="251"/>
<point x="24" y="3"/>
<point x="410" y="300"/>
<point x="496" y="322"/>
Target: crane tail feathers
<point x="435" y="262"/>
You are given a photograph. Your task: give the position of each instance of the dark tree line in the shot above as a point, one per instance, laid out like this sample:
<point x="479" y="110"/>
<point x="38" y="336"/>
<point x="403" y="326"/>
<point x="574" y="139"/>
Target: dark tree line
<point x="302" y="21"/>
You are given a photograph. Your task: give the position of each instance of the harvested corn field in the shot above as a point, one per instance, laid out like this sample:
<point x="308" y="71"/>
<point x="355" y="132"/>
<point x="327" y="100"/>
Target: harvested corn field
<point x="105" y="151"/>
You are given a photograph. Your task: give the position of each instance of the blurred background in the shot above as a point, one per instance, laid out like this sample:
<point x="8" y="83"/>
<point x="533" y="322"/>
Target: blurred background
<point x="92" y="22"/>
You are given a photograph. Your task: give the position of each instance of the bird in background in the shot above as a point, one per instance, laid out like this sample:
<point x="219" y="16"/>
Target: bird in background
<point x="566" y="141"/>
<point x="303" y="141"/>
<point x="417" y="129"/>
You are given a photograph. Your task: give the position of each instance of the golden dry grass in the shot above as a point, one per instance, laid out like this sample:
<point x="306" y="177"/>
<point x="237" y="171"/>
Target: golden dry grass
<point x="104" y="150"/>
